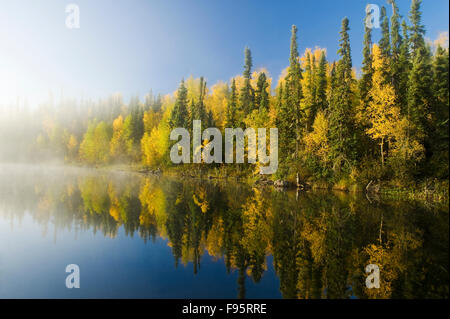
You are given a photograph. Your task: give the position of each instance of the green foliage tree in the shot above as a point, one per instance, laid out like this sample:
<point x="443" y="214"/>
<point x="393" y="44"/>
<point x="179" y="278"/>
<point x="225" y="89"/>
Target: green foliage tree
<point x="420" y="96"/>
<point x="261" y="94"/>
<point x="231" y="115"/>
<point x="247" y="94"/>
<point x="321" y="84"/>
<point x="95" y="147"/>
<point x="365" y="83"/>
<point x="179" y="116"/>
<point x="341" y="117"/>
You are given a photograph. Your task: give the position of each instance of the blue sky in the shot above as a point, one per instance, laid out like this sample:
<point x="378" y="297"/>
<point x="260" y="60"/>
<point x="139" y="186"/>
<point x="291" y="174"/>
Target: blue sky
<point x="132" y="46"/>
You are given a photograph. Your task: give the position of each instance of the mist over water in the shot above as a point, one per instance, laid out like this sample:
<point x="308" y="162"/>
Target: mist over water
<point x="138" y="236"/>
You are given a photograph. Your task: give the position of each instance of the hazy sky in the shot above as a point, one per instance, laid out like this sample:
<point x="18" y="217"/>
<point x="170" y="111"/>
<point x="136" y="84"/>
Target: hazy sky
<point x="132" y="46"/>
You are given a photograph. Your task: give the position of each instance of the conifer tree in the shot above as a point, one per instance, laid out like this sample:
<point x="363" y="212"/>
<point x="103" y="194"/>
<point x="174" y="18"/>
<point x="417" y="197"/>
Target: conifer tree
<point x="199" y="111"/>
<point x="396" y="47"/>
<point x="441" y="112"/>
<point x="179" y="116"/>
<point x="231" y="120"/>
<point x="385" y="45"/>
<point x="192" y="110"/>
<point x="401" y="71"/>
<point x="210" y="119"/>
<point x="261" y="94"/>
<point x="441" y="87"/>
<point x="246" y="98"/>
<point x="419" y="89"/>
<point x="341" y="126"/>
<point x="365" y="83"/>
<point x="417" y="29"/>
<point x="321" y="83"/>
<point x="137" y="120"/>
<point x="293" y="93"/>
<point x="308" y="90"/>
<point x="157" y="104"/>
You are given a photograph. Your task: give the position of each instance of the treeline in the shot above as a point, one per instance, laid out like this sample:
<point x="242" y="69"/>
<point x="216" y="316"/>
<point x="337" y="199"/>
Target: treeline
<point x="389" y="122"/>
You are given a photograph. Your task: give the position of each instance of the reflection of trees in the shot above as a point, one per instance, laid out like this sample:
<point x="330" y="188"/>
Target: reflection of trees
<point x="285" y="242"/>
<point x="320" y="242"/>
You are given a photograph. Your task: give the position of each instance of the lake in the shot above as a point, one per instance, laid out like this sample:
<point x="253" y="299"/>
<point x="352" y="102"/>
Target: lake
<point x="137" y="236"/>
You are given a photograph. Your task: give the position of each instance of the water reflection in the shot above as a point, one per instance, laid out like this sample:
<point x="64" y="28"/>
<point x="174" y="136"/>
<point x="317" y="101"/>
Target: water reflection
<point x="320" y="241"/>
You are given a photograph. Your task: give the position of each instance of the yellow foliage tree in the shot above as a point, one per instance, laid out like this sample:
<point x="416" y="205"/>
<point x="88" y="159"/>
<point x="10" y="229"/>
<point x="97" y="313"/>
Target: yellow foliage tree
<point x="316" y="142"/>
<point x="72" y="147"/>
<point x="383" y="114"/>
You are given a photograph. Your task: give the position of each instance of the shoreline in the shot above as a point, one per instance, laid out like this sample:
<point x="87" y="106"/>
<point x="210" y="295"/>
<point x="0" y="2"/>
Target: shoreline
<point x="379" y="189"/>
<point x="436" y="193"/>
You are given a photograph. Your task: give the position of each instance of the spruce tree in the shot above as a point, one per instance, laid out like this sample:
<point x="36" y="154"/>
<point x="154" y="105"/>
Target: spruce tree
<point x="341" y="128"/>
<point x="419" y="89"/>
<point x="231" y="120"/>
<point x="440" y="87"/>
<point x="417" y="29"/>
<point x="179" y="116"/>
<point x="385" y="45"/>
<point x="210" y="119"/>
<point x="308" y="101"/>
<point x="261" y="94"/>
<point x="293" y="93"/>
<point x="441" y="112"/>
<point x="401" y="72"/>
<point x="396" y="47"/>
<point x="157" y="105"/>
<point x="192" y="109"/>
<point x="137" y="120"/>
<point x="199" y="111"/>
<point x="321" y="83"/>
<point x="365" y="83"/>
<point x="246" y="98"/>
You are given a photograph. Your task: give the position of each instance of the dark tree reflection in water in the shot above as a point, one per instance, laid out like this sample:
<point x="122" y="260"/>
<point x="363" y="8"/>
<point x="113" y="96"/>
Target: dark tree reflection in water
<point x="319" y="242"/>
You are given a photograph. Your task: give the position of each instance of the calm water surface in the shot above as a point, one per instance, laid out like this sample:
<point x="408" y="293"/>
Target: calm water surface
<point x="147" y="237"/>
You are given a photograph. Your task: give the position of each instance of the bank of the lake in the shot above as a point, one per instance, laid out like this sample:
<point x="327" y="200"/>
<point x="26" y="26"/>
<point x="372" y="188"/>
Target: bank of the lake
<point x="431" y="190"/>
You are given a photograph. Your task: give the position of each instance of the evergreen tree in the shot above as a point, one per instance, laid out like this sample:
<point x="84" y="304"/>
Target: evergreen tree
<point x="401" y="71"/>
<point x="321" y="83"/>
<point x="201" y="110"/>
<point x="419" y="89"/>
<point x="137" y="120"/>
<point x="341" y="126"/>
<point x="385" y="45"/>
<point x="210" y="119"/>
<point x="417" y="30"/>
<point x="441" y="113"/>
<point x="308" y="106"/>
<point x="293" y="93"/>
<point x="261" y="94"/>
<point x="365" y="83"/>
<point x="246" y="98"/>
<point x="149" y="101"/>
<point x="192" y="110"/>
<point x="179" y="116"/>
<point x="157" y="103"/>
<point x="231" y="120"/>
<point x="396" y="47"/>
<point x="441" y="87"/>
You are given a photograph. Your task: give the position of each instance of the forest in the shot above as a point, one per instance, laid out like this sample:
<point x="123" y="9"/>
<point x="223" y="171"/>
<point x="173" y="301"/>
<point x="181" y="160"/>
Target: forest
<point x="340" y="128"/>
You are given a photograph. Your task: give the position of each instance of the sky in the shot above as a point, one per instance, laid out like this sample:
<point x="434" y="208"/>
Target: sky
<point x="136" y="45"/>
